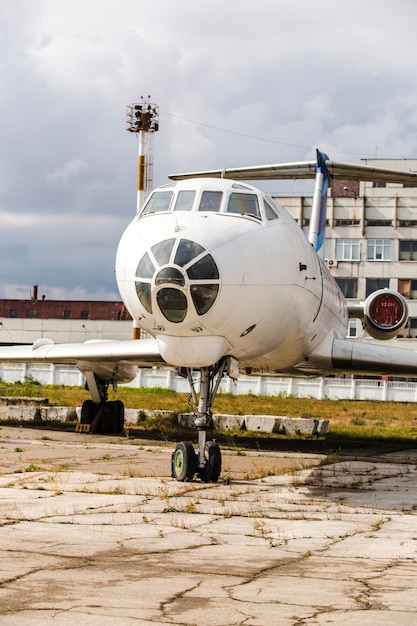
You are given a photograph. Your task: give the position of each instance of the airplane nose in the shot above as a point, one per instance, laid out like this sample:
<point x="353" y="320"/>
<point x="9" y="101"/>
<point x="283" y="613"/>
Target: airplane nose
<point x="177" y="277"/>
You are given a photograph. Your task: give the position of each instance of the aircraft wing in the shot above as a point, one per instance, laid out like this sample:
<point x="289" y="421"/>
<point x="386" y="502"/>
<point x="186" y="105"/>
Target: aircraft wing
<point x="307" y="169"/>
<point x="361" y="356"/>
<point x="346" y="356"/>
<point x="372" y="357"/>
<point x="141" y="352"/>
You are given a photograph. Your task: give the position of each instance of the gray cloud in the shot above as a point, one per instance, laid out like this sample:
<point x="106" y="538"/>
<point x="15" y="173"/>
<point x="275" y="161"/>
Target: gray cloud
<point x="237" y="83"/>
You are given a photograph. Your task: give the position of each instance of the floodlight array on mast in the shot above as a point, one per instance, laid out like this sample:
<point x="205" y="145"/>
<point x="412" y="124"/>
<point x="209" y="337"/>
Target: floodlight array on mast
<point x="143" y="118"/>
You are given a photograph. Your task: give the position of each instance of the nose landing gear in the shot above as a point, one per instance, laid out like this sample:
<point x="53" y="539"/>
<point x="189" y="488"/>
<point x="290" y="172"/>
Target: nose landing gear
<point x="185" y="464"/>
<point x="206" y="462"/>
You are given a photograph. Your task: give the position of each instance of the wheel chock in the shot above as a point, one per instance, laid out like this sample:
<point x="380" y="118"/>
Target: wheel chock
<point x="82" y="428"/>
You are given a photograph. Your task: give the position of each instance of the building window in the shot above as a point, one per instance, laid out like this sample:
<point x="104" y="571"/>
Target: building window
<point x="348" y="286"/>
<point x="408" y="288"/>
<point x="347" y="249"/>
<point x="66" y="314"/>
<point x="306" y="221"/>
<point x="30" y="313"/>
<point x="85" y="315"/>
<point x="373" y="284"/>
<point x="13" y="313"/>
<point x="353" y="328"/>
<point x="379" y="250"/>
<point x="407" y="223"/>
<point x="375" y="222"/>
<point x="345" y="222"/>
<point x="408" y="250"/>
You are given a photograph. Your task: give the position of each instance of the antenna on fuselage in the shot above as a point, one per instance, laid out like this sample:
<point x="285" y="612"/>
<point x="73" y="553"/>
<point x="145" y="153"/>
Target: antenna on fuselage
<point x="142" y="118"/>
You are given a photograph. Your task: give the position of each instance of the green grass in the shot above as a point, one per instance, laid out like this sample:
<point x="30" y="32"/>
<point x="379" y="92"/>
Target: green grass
<point x="348" y="418"/>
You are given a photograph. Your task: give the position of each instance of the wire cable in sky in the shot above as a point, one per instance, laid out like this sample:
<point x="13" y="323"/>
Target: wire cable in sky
<point x="233" y="132"/>
<point x="280" y="143"/>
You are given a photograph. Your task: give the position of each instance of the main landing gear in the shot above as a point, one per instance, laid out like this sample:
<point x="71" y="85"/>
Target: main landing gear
<point x="100" y="415"/>
<point x="206" y="462"/>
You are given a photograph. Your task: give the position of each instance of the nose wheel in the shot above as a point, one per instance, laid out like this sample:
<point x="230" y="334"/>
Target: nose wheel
<point x="185" y="462"/>
<point x="211" y="471"/>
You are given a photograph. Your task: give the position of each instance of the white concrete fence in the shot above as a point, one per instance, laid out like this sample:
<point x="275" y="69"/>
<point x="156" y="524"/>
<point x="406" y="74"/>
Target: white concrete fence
<point x="332" y="388"/>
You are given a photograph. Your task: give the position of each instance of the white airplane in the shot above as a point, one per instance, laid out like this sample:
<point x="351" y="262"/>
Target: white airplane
<point x="224" y="280"/>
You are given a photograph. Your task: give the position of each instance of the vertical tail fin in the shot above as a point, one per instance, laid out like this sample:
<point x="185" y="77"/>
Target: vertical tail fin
<point x="318" y="212"/>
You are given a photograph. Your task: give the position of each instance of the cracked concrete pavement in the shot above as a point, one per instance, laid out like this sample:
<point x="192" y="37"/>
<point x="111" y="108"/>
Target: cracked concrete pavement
<point x="93" y="530"/>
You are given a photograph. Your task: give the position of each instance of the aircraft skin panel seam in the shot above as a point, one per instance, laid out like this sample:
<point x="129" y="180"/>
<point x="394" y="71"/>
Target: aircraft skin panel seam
<point x="321" y="293"/>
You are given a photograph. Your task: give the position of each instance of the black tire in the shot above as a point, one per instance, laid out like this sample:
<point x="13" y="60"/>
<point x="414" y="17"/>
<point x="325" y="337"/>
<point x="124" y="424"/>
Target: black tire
<point x="211" y="472"/>
<point x="120" y="416"/>
<point x="110" y="418"/>
<point x="88" y="411"/>
<point x="184" y="462"/>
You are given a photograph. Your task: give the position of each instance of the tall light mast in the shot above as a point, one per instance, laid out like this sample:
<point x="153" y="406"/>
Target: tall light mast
<point x="142" y="118"/>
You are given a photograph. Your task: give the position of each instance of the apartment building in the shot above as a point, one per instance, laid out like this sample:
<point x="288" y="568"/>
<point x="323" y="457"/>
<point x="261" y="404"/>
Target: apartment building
<point x="371" y="237"/>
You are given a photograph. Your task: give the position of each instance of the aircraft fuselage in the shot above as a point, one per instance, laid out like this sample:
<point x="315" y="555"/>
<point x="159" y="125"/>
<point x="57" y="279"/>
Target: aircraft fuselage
<point x="213" y="268"/>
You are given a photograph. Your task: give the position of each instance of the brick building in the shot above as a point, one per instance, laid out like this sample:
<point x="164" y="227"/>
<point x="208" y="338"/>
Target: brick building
<point x="63" y="309"/>
<point x="24" y="321"/>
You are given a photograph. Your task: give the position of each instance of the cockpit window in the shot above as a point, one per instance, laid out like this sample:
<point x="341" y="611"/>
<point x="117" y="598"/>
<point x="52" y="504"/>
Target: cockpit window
<point x="143" y="291"/>
<point x="205" y="268"/>
<point x="158" y="202"/>
<point x="170" y="275"/>
<point x="145" y="267"/>
<point x="203" y="297"/>
<point x="177" y="277"/>
<point x="185" y="201"/>
<point x="244" y="204"/>
<point x="210" y="201"/>
<point x="173" y="304"/>
<point x="162" y="251"/>
<point x="187" y="251"/>
<point x="270" y="211"/>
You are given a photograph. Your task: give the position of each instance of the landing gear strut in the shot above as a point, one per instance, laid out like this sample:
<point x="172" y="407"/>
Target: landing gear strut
<point x="207" y="460"/>
<point x="103" y="415"/>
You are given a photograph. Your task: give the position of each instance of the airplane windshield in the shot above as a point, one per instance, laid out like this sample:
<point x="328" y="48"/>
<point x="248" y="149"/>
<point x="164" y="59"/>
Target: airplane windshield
<point x="238" y="202"/>
<point x="270" y="211"/>
<point x="185" y="201"/>
<point x="210" y="201"/>
<point x="244" y="204"/>
<point x="158" y="202"/>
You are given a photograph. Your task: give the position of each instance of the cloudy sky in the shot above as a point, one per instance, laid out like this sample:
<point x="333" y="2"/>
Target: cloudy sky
<point x="237" y="82"/>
